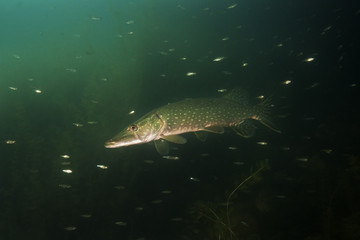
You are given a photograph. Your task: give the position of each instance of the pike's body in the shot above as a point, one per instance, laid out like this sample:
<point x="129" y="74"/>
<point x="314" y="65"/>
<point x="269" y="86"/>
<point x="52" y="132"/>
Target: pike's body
<point x="194" y="115"/>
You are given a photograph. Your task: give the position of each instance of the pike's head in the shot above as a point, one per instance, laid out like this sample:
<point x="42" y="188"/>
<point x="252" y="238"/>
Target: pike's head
<point x="146" y="129"/>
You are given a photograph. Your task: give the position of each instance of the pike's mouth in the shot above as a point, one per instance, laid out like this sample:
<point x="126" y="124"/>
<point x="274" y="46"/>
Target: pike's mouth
<point x="112" y="144"/>
<point x="122" y="141"/>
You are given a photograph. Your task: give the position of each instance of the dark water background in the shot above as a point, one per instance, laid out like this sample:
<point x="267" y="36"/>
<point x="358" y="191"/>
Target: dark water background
<point x="95" y="61"/>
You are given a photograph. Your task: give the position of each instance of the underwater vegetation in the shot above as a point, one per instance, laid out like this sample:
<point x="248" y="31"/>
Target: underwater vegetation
<point x="225" y="220"/>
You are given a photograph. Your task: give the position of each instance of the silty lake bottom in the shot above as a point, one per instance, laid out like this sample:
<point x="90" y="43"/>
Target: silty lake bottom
<point x="75" y="73"/>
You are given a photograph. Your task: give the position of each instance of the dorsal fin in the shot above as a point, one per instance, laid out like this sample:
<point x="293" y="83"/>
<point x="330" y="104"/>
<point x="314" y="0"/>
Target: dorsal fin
<point x="237" y="95"/>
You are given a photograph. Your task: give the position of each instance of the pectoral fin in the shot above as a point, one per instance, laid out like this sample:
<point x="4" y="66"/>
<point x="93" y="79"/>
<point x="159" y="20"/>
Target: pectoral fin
<point x="214" y="129"/>
<point x="201" y="136"/>
<point x="175" y="139"/>
<point x="162" y="147"/>
<point x="245" y="129"/>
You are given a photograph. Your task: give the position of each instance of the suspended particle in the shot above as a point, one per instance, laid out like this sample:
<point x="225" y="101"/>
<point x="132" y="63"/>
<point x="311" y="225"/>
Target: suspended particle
<point x="190" y="74"/>
<point x="70" y="228"/>
<point x="286" y="82"/>
<point x="218" y="59"/>
<point x="78" y="124"/>
<point x="120" y="223"/>
<point x="171" y="157"/>
<point x="166" y="191"/>
<point x="101" y="166"/>
<point x="194" y="179"/>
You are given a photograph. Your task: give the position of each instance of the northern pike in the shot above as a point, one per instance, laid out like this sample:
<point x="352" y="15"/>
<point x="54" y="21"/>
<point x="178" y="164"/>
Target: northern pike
<point x="194" y="115"/>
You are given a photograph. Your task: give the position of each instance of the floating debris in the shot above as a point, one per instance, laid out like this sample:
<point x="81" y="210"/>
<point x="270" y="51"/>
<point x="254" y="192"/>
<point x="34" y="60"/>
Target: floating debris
<point x="13" y="88"/>
<point x="66" y="186"/>
<point x="225" y="38"/>
<point x="232" y="148"/>
<point x="10" y="141"/>
<point x="262" y="143"/>
<point x="65" y="156"/>
<point x="92" y="122"/>
<point x="310" y="59"/>
<point x="222" y="90"/>
<point x="232" y="6"/>
<point x="130" y="22"/>
<point x="132" y="112"/>
<point x="16" y="56"/>
<point x="245" y="64"/>
<point x="67" y="171"/>
<point x="38" y="91"/>
<point x="183" y="58"/>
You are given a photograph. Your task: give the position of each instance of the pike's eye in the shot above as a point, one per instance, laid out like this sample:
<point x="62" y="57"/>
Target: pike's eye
<point x="133" y="128"/>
